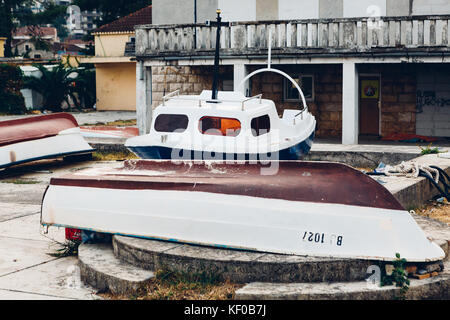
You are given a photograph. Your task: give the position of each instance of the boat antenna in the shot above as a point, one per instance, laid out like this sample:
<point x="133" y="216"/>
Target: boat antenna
<point x="217" y="24"/>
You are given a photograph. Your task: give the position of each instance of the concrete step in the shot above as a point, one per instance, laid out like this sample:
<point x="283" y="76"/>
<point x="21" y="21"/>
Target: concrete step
<point x="102" y="270"/>
<point x="237" y="265"/>
<point x="431" y="288"/>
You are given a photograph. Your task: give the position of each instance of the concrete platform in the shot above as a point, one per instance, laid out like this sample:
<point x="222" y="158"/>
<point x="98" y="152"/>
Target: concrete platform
<point x="431" y="288"/>
<point x="247" y="266"/>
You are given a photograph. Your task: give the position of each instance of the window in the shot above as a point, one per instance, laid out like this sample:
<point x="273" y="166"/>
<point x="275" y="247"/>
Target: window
<point x="260" y="125"/>
<point x="171" y="122"/>
<point x="306" y="83"/>
<point x="219" y="126"/>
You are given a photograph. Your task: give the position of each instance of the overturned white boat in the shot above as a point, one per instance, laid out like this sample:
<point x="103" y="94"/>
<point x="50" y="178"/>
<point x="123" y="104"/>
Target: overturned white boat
<point x="40" y="137"/>
<point x="300" y="208"/>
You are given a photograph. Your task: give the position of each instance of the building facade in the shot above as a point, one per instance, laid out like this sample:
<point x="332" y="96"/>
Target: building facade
<point x="368" y="68"/>
<point x="114" y="64"/>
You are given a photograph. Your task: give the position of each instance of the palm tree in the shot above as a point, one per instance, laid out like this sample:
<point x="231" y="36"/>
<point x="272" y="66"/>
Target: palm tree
<point x="55" y="85"/>
<point x="85" y="87"/>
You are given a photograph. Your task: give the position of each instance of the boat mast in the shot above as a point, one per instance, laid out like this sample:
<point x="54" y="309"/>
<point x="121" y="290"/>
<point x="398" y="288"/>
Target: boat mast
<point x="218" y="24"/>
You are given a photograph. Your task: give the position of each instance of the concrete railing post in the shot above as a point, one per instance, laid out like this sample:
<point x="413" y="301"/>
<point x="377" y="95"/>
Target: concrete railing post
<point x="143" y="98"/>
<point x="350" y="105"/>
<point x="240" y="71"/>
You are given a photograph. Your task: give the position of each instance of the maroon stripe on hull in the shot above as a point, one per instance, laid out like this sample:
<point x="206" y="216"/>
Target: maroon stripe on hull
<point x="320" y="182"/>
<point x="33" y="128"/>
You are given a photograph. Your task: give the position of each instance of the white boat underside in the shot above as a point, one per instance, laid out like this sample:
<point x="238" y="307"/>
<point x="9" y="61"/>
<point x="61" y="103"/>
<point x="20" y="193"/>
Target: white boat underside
<point x="242" y="222"/>
<point x="68" y="141"/>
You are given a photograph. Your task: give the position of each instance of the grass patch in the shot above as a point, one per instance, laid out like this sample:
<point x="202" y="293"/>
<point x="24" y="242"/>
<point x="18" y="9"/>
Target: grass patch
<point x="113" y="156"/>
<point x="21" y="181"/>
<point x="117" y="123"/>
<point x="175" y="285"/>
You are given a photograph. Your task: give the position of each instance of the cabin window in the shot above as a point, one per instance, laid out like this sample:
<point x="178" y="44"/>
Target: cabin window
<point x="218" y="126"/>
<point x="306" y="83"/>
<point x="171" y="122"/>
<point x="260" y="125"/>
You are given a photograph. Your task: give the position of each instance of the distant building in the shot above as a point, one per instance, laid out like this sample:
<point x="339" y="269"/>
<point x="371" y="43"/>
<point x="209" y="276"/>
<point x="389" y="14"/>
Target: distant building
<point x="2" y="46"/>
<point x="34" y="42"/>
<point x="367" y="67"/>
<point x="80" y="23"/>
<point x="114" y="61"/>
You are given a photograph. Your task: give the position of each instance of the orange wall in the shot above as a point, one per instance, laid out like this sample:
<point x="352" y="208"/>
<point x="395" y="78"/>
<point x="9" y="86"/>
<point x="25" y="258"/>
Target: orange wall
<point x="116" y="86"/>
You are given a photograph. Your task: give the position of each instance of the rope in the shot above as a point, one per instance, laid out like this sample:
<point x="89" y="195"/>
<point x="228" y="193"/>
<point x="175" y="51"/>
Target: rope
<point x="411" y="169"/>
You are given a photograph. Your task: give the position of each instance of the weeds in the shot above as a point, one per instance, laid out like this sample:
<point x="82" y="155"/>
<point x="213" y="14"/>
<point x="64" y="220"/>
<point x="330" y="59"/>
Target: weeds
<point x="22" y="181"/>
<point x="113" y="156"/>
<point x="179" y="285"/>
<point x="68" y="249"/>
<point x="429" y="150"/>
<point x="399" y="277"/>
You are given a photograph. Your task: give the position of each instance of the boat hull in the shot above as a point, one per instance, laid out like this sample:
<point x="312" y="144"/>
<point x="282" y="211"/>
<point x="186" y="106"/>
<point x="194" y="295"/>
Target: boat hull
<point x="302" y="210"/>
<point x="295" y="152"/>
<point x="241" y="222"/>
<point x="46" y="148"/>
<point x="40" y="137"/>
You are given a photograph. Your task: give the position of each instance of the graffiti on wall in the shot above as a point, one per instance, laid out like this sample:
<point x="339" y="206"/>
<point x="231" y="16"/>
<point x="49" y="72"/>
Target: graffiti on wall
<point x="428" y="98"/>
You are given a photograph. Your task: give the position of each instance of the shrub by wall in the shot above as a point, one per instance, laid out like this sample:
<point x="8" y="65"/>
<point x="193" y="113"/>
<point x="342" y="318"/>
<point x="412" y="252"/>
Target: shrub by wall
<point x="11" y="99"/>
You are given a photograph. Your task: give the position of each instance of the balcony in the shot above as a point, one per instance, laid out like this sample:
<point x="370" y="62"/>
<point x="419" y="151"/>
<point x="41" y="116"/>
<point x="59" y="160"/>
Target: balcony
<point x="386" y="36"/>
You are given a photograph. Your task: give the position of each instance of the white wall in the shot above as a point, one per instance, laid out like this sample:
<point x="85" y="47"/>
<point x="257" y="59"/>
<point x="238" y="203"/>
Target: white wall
<point x="238" y="10"/>
<point x="425" y="7"/>
<point x="364" y="8"/>
<point x="298" y="9"/>
<point x="434" y="120"/>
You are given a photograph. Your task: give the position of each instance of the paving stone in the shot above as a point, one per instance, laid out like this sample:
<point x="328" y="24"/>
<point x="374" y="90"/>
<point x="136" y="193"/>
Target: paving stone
<point x="18" y="295"/>
<point x="29" y="228"/>
<point x="21" y="193"/>
<point x="59" y="278"/>
<point x="18" y="254"/>
<point x="10" y="210"/>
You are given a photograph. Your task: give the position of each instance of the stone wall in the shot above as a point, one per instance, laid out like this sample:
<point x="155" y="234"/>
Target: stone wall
<point x="398" y="98"/>
<point x="398" y="103"/>
<point x="189" y="80"/>
<point x="327" y="103"/>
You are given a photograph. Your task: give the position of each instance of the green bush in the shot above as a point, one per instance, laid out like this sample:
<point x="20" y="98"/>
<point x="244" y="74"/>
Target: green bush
<point x="11" y="81"/>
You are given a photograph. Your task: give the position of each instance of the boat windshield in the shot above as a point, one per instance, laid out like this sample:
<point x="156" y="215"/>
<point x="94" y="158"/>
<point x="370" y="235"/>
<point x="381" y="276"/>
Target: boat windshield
<point x="171" y="123"/>
<point x="219" y="126"/>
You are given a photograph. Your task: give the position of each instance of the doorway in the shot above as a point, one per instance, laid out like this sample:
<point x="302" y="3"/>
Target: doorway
<point x="369" y="105"/>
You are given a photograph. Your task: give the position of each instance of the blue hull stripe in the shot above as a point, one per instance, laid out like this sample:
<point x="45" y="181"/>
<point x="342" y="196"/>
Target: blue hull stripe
<point x="295" y="152"/>
<point x="50" y="156"/>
